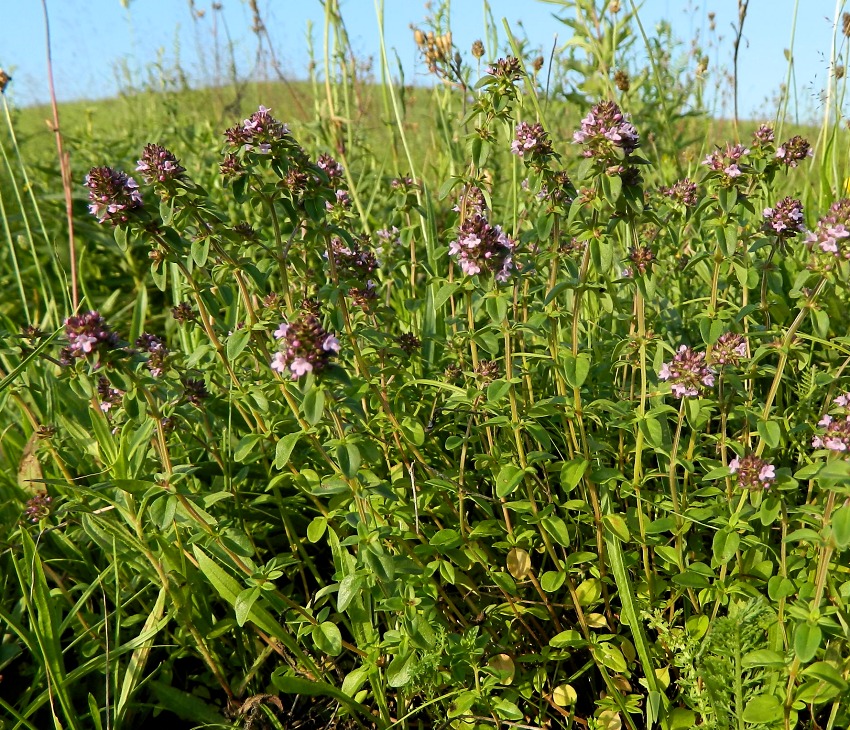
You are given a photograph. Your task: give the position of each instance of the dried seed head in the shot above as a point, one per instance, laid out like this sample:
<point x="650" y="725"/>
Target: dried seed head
<point x="537" y="64"/>
<point x="419" y="37"/>
<point x="845" y="24"/>
<point x="4" y="80"/>
<point x="478" y="49"/>
<point x="622" y="81"/>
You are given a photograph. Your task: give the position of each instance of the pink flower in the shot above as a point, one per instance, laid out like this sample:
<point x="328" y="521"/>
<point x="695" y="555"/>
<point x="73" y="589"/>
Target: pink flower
<point x="281" y="331"/>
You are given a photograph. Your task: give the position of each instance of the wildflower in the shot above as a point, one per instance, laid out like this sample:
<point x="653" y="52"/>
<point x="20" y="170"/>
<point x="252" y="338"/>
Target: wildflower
<point x="45" y="431"/>
<point x="353" y="260"/>
<point x="753" y="472"/>
<point x="409" y="343"/>
<point x="311" y="305"/>
<point x="195" y="391"/>
<point x="682" y="191"/>
<point x="307" y="347"/>
<point x="607" y="133"/>
<point x="793" y="151"/>
<point x="641" y="257"/>
<point x="388" y="235"/>
<point x="157" y="352"/>
<point x="159" y="165"/>
<point x="109" y="396"/>
<point x="785" y="219"/>
<point x="471" y="201"/>
<point x="231" y="167"/>
<point x="728" y="350"/>
<point x="726" y="161"/>
<point x="763" y="136"/>
<point x="531" y="143"/>
<point x="477" y="49"/>
<point x="508" y="69"/>
<point x="687" y="373"/>
<point x="260" y="132"/>
<point x="452" y="373"/>
<point x="38" y="507"/>
<point x="168" y="424"/>
<point x="364" y="296"/>
<point x="405" y="184"/>
<point x="183" y="313"/>
<point x="832" y="231"/>
<point x="245" y="231"/>
<point x="487" y="370"/>
<point x="330" y="166"/>
<point x="343" y="200"/>
<point x="86" y="334"/>
<point x="481" y="247"/>
<point x="112" y="195"/>
<point x="836" y="436"/>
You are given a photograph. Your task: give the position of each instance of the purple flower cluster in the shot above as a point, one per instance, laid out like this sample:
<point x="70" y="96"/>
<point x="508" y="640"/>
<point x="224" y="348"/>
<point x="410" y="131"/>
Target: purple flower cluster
<point x="729" y="349"/>
<point x="508" y="69"/>
<point x="157" y="353"/>
<point x="109" y="396"/>
<point x="531" y="143"/>
<point x="726" y="161"/>
<point x="481" y="247"/>
<point x="836" y="435"/>
<point x="607" y="133"/>
<point x="353" y="260"/>
<point x="832" y="231"/>
<point x="687" y="372"/>
<point x="388" y="236"/>
<point x="258" y="132"/>
<point x="682" y="191"/>
<point x="330" y="166"/>
<point x="763" y="136"/>
<point x="159" y="165"/>
<point x="307" y="347"/>
<point x="38" y="507"/>
<point x="794" y="151"/>
<point x="86" y="333"/>
<point x="785" y="219"/>
<point x="471" y="201"/>
<point x="753" y="472"/>
<point x="112" y="195"/>
<point x="641" y="258"/>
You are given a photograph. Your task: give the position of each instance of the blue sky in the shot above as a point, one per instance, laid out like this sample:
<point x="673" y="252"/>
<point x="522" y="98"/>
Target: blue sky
<point x="97" y="42"/>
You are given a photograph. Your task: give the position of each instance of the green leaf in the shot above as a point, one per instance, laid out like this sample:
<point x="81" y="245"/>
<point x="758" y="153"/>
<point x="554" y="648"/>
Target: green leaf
<point x="121" y="237"/>
<point x="770" y="433"/>
<point x="763" y="710"/>
<point x="509" y="478"/>
<point x="825" y="672"/>
<point x="444" y="293"/>
<point x="841" y="527"/>
<point x="245" y="602"/>
<point x="200" y="250"/>
<point x="725" y="545"/>
<point x="612" y="657"/>
<point x="400" y="670"/>
<point x="572" y="473"/>
<point x="497" y="390"/>
<point x="284" y="447"/>
<point x="246" y="447"/>
<point x="237" y="342"/>
<point x="288" y="684"/>
<point x="349" y="589"/>
<point x="576" y="369"/>
<point x="763" y="658"/>
<point x="616" y="524"/>
<point x="317" y="528"/>
<point x="313" y="405"/>
<point x="187" y="707"/>
<point x="557" y="529"/>
<point x="807" y="639"/>
<point x="328" y="638"/>
<point x="552" y="580"/>
<point x="567" y="639"/>
<point x="348" y="457"/>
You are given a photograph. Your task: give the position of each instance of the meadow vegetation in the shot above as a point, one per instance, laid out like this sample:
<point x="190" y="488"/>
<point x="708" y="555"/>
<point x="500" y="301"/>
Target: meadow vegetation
<point x="517" y="401"/>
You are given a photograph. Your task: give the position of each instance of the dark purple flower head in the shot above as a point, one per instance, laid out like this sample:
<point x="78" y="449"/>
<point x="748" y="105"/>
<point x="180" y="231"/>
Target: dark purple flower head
<point x="481" y="248"/>
<point x="157" y="353"/>
<point x="641" y="258"/>
<point x="159" y="165"/>
<point x="726" y="161"/>
<point x="687" y="373"/>
<point x="112" y="195"/>
<point x="305" y="346"/>
<point x="258" y="133"/>
<point x="682" y="191"/>
<point x="109" y="397"/>
<point x="231" y="167"/>
<point x="343" y="200"/>
<point x="531" y="143"/>
<point x="404" y="184"/>
<point x="785" y="219"/>
<point x="728" y="350"/>
<point x="87" y="334"/>
<point x="832" y="231"/>
<point x="508" y="69"/>
<point x="471" y="201"/>
<point x="354" y="260"/>
<point x="195" y="391"/>
<point x="794" y="151"/>
<point x="487" y="370"/>
<point x="408" y="342"/>
<point x="752" y="472"/>
<point x="763" y="136"/>
<point x="183" y="313"/>
<point x="364" y="296"/>
<point x="607" y="133"/>
<point x="38" y="507"/>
